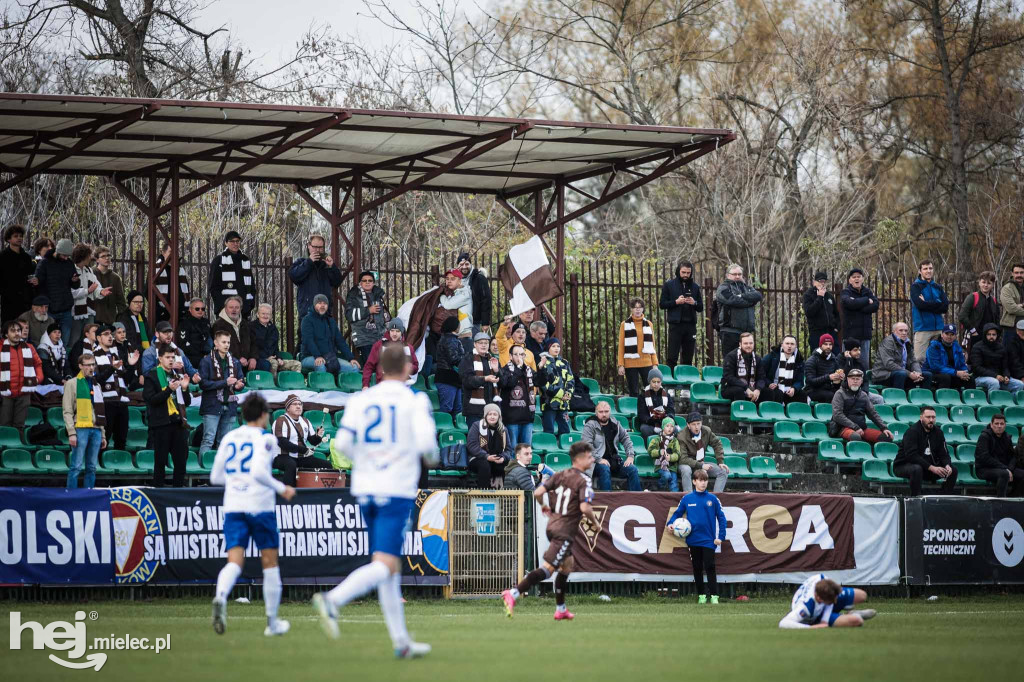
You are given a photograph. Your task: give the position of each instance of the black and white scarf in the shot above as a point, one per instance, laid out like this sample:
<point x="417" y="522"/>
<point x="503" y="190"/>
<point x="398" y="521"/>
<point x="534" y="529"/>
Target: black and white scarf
<point x="28" y="368"/>
<point x="83" y="310"/>
<point x="477" y="396"/>
<point x="114" y="389"/>
<point x="787" y="367"/>
<point x="227" y="394"/>
<point x="741" y="367"/>
<point x="486" y="434"/>
<point x="630" y="339"/>
<point x="294" y="431"/>
<point x="162" y="282"/>
<point x="655" y="399"/>
<point x="236" y="276"/>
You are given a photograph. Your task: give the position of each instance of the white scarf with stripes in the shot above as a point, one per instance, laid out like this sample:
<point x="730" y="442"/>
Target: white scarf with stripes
<point x="28" y="365"/>
<point x="630" y="339"/>
<point x="114" y="388"/>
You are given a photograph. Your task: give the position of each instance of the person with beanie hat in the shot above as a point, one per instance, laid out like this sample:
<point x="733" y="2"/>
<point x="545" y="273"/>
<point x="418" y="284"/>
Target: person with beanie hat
<point x="695" y="442"/>
<point x="59" y="281"/>
<point x="323" y="347"/>
<point x="476" y="280"/>
<point x="135" y="323"/>
<point x="557" y="383"/>
<point x="859" y="304"/>
<point x="490" y="447"/>
<point x="296" y="438"/>
<point x="664" y="449"/>
<point x="232" y="274"/>
<point x="823" y="372"/>
<point x="682" y="302"/>
<point x="654" y="404"/>
<point x="317" y="274"/>
<point x="394" y="332"/>
<point x="366" y="309"/>
<point x="821" y="309"/>
<point x="448" y="357"/>
<point x="480" y="373"/>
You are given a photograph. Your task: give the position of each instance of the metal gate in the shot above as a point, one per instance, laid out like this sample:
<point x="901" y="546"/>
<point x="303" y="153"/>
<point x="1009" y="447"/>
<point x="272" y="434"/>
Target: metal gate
<point x="486" y="541"/>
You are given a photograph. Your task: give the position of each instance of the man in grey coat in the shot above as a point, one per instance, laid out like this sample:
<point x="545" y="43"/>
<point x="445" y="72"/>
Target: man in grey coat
<point x="736" y="300"/>
<point x="606" y="435"/>
<point x="896" y="365"/>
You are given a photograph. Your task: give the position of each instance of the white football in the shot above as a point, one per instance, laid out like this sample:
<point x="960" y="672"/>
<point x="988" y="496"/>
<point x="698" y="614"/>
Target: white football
<point x="681" y="528"/>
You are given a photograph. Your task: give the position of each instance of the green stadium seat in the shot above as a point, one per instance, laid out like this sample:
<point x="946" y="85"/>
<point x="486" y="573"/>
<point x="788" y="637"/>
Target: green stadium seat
<point x="823" y="412"/>
<point x="536" y="459"/>
<point x="422" y="382"/>
<point x="145" y="459"/>
<point x="815" y="432"/>
<point x="965" y="452"/>
<point x="35" y="416"/>
<point x="712" y="374"/>
<point x="352" y="382"/>
<point x="285" y="355"/>
<point x="545" y="442"/>
<point x="291" y="381"/>
<point x="886" y="451"/>
<point x="538" y="423"/>
<point x="558" y="460"/>
<point x="974" y="396"/>
<point x="117" y="462"/>
<point x="62" y="438"/>
<point x="259" y="379"/>
<point x="965" y="476"/>
<point x="317" y="418"/>
<point x="449" y="437"/>
<point x="986" y="412"/>
<point x="772" y="411"/>
<point x="606" y="398"/>
<point x="192" y="415"/>
<point x="954" y="433"/>
<point x="859" y="450"/>
<point x="443" y="420"/>
<point x="832" y="451"/>
<point x="273" y="415"/>
<point x="727" y="447"/>
<point x="638" y="442"/>
<point x="962" y="414"/>
<point x="435" y="401"/>
<point x="324" y="381"/>
<point x="788" y="432"/>
<point x="567" y="439"/>
<point x="580" y="420"/>
<point x="623" y="419"/>
<point x="627" y="405"/>
<point x="877" y="471"/>
<point x="55" y="416"/>
<point x="645" y="466"/>
<point x="738" y="467"/>
<point x="908" y="413"/>
<point x="704" y="392"/>
<point x="974" y="432"/>
<point x="895" y="396"/>
<point x="591" y="385"/>
<point x="460" y="422"/>
<point x="921" y="396"/>
<point x="686" y="374"/>
<point x="668" y="379"/>
<point x="52" y="462"/>
<point x="206" y="459"/>
<point x="193" y="466"/>
<point x="1001" y="399"/>
<point x="948" y="397"/>
<point x="1014" y="415"/>
<point x="898" y="429"/>
<point x="1020" y="397"/>
<point x="765" y="468"/>
<point x="799" y="412"/>
<point x="17" y="461"/>
<point x="136" y="439"/>
<point x="10" y="438"/>
<point x="885" y="412"/>
<point x="136" y="418"/>
<point x="744" y="411"/>
<point x="941" y="415"/>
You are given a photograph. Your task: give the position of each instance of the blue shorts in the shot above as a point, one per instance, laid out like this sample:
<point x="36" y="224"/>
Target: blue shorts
<point x="844" y="600"/>
<point x="387" y="520"/>
<point x="239" y="527"/>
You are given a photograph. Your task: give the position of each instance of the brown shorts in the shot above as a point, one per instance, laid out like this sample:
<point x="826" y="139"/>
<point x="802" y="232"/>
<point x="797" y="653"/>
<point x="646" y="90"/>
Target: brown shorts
<point x="559" y="549"/>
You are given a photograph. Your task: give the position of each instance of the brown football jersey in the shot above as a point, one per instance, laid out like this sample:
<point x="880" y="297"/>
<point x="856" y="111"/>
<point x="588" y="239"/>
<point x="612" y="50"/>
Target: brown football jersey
<point x="566" y="490"/>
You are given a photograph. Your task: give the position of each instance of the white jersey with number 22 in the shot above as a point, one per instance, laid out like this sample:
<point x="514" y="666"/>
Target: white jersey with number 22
<point x="243" y="467"/>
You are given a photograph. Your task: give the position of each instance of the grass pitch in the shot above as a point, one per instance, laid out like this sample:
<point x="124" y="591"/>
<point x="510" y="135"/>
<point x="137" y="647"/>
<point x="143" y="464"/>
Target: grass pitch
<point x="625" y="640"/>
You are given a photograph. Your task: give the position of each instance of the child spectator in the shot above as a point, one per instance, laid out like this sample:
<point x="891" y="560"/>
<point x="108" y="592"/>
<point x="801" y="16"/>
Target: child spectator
<point x="702" y="509"/>
<point x="664" y="450"/>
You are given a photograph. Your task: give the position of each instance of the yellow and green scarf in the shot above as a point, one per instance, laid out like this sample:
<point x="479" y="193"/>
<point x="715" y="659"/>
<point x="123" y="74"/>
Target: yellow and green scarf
<point x="89" y="403"/>
<point x="140" y="327"/>
<point x="172" y="405"/>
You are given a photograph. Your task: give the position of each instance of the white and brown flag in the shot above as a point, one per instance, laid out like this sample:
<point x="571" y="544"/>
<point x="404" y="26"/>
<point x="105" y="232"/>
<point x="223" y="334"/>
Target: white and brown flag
<point x="527" y="277"/>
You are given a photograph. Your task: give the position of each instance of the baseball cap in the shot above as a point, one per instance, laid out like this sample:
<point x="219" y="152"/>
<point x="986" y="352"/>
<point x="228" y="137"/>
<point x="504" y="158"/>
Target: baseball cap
<point x="949" y="329"/>
<point x="481" y="336"/>
<point x="164" y="326"/>
<point x="855" y="373"/>
<point x="820" y="277"/>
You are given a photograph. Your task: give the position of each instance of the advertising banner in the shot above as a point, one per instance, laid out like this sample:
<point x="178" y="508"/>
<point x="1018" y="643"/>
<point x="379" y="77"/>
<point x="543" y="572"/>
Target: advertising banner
<point x="964" y="540"/>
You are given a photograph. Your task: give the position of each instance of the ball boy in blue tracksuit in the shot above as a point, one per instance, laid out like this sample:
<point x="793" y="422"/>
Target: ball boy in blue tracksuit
<point x="701" y="509"/>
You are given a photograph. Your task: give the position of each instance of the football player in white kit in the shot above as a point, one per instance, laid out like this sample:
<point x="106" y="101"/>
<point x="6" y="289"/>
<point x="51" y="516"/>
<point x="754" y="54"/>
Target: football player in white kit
<point x="819" y="601"/>
<point x="242" y="466"/>
<point x="386" y="430"/>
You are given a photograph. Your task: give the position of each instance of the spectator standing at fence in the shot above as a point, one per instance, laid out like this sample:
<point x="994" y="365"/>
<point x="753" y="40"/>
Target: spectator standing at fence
<point x="782" y="374"/>
<point x="823" y="373"/>
<point x="113" y="304"/>
<point x="557" y="383"/>
<point x="19" y="274"/>
<point x="394" y="332"/>
<point x="195" y="335"/>
<point x="134" y="321"/>
<point x="367" y="313"/>
<point x="696" y="443"/>
<point x="21" y="372"/>
<point x="606" y="435"/>
<point x="89" y="291"/>
<point x="165" y="392"/>
<point x="897" y="364"/>
<point x="995" y="461"/>
<point x="132" y="373"/>
<point x="234" y="323"/>
<point x="232" y="274"/>
<point x="851" y="409"/>
<point x="736" y="301"/>
<point x="636" y="352"/>
<point x="947" y="362"/>
<point x="40" y="248"/>
<point x="458" y="299"/>
<point x="923" y="456"/>
<point x="1015" y="352"/>
<point x="653" y="405"/>
<point x="859" y="304"/>
<point x="110" y="375"/>
<point x="979" y="308"/>
<point x="665" y="450"/>
<point x="38" y="320"/>
<point x="59" y="281"/>
<point x="476" y="280"/>
<point x="323" y="347"/>
<point x="220" y="378"/>
<point x="490" y="445"/>
<point x="162" y="283"/>
<point x="317" y="274"/>
<point x="990" y="363"/>
<point x="449" y="354"/>
<point x="1011" y="297"/>
<point x="165" y="335"/>
<point x="928" y="303"/>
<point x="54" y="357"/>
<point x="480" y="373"/>
<point x="517" y="404"/>
<point x="682" y="302"/>
<point x="740" y="371"/>
<point x="821" y="309"/>
<point x="84" y="419"/>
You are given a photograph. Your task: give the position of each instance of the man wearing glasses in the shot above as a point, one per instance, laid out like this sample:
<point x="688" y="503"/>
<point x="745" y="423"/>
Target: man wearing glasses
<point x="317" y="274"/>
<point x="84" y="419"/>
<point x="231" y="274"/>
<point x="195" y="336"/>
<point x="367" y="311"/>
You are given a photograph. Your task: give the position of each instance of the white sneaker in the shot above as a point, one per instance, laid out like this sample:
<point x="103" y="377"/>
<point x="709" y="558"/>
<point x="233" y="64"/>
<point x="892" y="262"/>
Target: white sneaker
<point x="413" y="650"/>
<point x="220" y="616"/>
<point x="866" y="614"/>
<point x="279" y="628"/>
<point x="328" y="615"/>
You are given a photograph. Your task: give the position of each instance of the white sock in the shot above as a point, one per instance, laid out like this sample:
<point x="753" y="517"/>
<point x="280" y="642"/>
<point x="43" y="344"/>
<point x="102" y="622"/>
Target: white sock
<point x="561" y="607"/>
<point x="226" y="580"/>
<point x="389" y="593"/>
<point x="514" y="592"/>
<point x="272" y="592"/>
<point x="362" y="580"/>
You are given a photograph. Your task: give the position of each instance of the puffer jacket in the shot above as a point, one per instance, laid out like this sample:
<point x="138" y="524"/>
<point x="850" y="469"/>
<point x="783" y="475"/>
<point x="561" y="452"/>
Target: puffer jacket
<point x="851" y="410"/>
<point x="518" y="477"/>
<point x="321" y="338"/>
<point x="448" y="355"/>
<point x="737" y="301"/>
<point x="822" y="311"/>
<point x="989" y="359"/>
<point x="58" y="278"/>
<point x="557" y="384"/>
<point x="858" y="307"/>
<point x="928" y="313"/>
<point x="679" y="313"/>
<point x="818" y="368"/>
<point x="936" y="360"/>
<point x="461" y="301"/>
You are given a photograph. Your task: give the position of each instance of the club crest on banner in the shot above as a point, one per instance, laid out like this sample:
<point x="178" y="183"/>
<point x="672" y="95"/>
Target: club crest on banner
<point x="589" y="532"/>
<point x="135" y="519"/>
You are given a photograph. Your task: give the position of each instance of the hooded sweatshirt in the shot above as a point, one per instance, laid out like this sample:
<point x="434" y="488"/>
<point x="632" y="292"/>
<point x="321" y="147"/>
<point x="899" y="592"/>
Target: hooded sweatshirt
<point x="989" y="358"/>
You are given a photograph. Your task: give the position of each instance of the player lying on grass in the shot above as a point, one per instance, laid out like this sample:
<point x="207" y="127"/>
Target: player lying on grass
<point x="573" y="494"/>
<point x="818" y="602"/>
<point x="242" y="466"/>
<point x="385" y="431"/>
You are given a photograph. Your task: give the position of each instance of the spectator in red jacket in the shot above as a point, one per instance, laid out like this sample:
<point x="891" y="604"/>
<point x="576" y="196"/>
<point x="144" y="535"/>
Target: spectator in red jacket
<point x="21" y="371"/>
<point x="394" y="332"/>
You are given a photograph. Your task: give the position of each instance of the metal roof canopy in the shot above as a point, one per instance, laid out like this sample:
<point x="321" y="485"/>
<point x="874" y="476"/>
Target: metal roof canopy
<point x="346" y="149"/>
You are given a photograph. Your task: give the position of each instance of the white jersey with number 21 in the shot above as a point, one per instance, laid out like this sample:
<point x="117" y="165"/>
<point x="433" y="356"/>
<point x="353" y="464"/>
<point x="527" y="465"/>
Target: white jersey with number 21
<point x="243" y="467"/>
<point x="385" y="430"/>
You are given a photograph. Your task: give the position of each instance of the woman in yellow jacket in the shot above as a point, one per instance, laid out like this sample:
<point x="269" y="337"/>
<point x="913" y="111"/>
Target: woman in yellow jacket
<point x="636" y="354"/>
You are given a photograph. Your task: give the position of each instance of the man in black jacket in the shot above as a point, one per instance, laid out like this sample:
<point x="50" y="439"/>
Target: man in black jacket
<point x="195" y="335"/>
<point x="681" y="300"/>
<point x="476" y="280"/>
<point x="166" y="394"/>
<point x="1015" y="351"/>
<point x="480" y="373"/>
<point x="859" y="304"/>
<point x="990" y="363"/>
<point x="740" y="371"/>
<point x="923" y="456"/>
<point x="232" y="274"/>
<point x="19" y="274"/>
<point x="57" y="276"/>
<point x="782" y="374"/>
<point x="821" y="310"/>
<point x="822" y="372"/>
<point x="994" y="459"/>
